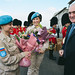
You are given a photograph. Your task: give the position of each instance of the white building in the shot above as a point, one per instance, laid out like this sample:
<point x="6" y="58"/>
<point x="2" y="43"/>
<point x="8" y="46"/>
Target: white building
<point x="59" y="16"/>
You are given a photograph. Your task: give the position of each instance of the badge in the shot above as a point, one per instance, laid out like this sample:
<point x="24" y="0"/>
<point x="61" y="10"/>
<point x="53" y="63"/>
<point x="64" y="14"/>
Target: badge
<point x="37" y="14"/>
<point x="2" y="52"/>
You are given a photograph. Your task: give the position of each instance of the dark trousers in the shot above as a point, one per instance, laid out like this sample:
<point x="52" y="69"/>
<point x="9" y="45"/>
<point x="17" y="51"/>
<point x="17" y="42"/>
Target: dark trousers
<point x="51" y="53"/>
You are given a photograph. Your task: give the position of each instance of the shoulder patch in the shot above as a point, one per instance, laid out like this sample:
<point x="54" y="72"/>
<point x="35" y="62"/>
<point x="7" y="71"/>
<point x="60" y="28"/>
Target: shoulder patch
<point x="2" y="52"/>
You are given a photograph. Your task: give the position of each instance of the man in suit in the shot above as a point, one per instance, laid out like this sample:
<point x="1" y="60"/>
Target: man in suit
<point x="68" y="48"/>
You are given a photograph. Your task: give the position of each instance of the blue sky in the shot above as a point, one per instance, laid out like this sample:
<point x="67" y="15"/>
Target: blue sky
<point x="21" y="8"/>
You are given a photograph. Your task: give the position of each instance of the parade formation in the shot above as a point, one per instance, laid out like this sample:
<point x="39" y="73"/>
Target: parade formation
<point x="26" y="46"/>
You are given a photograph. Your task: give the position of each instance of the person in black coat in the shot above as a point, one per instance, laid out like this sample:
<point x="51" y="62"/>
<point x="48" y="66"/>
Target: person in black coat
<point x="68" y="48"/>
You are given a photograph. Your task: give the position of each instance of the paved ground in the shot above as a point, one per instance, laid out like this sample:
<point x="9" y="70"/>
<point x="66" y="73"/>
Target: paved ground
<point x="48" y="67"/>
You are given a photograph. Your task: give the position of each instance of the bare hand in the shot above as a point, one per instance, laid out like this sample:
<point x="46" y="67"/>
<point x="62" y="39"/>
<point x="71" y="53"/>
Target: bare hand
<point x="41" y="51"/>
<point x="61" y="52"/>
<point x="27" y="54"/>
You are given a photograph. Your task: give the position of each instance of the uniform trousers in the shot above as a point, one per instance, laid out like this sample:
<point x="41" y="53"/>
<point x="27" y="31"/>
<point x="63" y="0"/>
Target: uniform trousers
<point x="15" y="72"/>
<point x="36" y="60"/>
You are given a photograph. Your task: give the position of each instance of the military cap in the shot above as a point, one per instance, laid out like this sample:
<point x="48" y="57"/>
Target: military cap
<point x="53" y="21"/>
<point x="15" y="22"/>
<point x="19" y="22"/>
<point x="29" y="17"/>
<point x="26" y="23"/>
<point x="65" y="19"/>
<point x="36" y="14"/>
<point x="5" y="19"/>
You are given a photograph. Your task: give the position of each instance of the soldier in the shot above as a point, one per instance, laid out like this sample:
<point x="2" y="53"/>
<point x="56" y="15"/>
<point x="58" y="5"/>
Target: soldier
<point x="52" y="41"/>
<point x="9" y="52"/>
<point x="65" y="22"/>
<point x="20" y="29"/>
<point x="36" y="57"/>
<point x="25" y="25"/>
<point x="15" y="27"/>
<point x="30" y="21"/>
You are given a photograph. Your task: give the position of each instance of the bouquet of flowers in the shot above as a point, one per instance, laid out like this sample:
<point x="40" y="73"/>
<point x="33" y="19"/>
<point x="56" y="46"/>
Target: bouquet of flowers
<point x="26" y="43"/>
<point x="42" y="36"/>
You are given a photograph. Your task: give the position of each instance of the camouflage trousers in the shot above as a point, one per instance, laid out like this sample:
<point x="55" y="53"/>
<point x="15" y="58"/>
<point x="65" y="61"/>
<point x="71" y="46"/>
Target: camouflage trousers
<point x="16" y="72"/>
<point x="36" y="60"/>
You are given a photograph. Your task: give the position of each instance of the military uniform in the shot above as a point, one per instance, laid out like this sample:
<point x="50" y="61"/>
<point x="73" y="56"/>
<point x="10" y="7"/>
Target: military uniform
<point x="24" y="29"/>
<point x="64" y="30"/>
<point x="14" y="31"/>
<point x="53" y="31"/>
<point x="52" y="41"/>
<point x="15" y="27"/>
<point x="9" y="62"/>
<point x="36" y="58"/>
<point x="20" y="29"/>
<point x="17" y="30"/>
<point x="65" y="22"/>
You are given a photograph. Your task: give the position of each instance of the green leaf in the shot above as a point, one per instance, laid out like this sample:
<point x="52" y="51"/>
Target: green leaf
<point x="17" y="38"/>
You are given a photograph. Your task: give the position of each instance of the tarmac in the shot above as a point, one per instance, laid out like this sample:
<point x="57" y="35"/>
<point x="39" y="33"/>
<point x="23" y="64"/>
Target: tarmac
<point x="48" y="67"/>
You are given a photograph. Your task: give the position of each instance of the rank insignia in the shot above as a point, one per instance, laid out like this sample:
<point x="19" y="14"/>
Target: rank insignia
<point x="2" y="52"/>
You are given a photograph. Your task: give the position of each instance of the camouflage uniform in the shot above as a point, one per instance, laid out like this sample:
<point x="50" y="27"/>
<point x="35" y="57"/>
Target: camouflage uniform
<point x="36" y="58"/>
<point x="9" y="63"/>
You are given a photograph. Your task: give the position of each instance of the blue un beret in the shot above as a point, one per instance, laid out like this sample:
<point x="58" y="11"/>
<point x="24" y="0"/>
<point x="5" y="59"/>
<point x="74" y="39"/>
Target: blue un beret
<point x="5" y="19"/>
<point x="36" y="14"/>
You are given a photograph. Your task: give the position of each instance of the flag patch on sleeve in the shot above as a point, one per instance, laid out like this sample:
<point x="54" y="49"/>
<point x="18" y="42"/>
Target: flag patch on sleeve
<point x="2" y="52"/>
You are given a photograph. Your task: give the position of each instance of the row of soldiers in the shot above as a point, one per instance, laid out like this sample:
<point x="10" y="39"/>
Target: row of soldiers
<point x="17" y="27"/>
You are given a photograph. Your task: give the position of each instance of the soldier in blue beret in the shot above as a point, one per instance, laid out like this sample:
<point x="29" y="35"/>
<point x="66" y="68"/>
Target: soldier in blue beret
<point x="36" y="14"/>
<point x="37" y="57"/>
<point x="5" y="19"/>
<point x="9" y="52"/>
